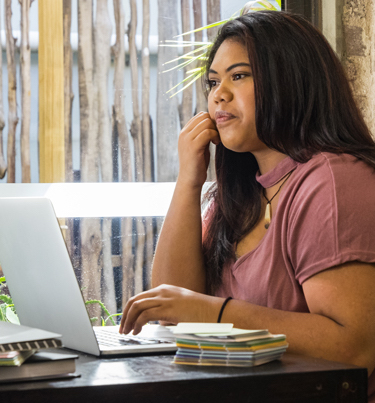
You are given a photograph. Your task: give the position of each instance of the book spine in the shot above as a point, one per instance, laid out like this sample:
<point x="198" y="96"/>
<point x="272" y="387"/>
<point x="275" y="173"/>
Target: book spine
<point x="31" y="345"/>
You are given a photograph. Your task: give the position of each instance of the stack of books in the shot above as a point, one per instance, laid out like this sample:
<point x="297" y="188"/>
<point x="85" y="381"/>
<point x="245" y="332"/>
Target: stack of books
<point x="28" y="354"/>
<point x="237" y="347"/>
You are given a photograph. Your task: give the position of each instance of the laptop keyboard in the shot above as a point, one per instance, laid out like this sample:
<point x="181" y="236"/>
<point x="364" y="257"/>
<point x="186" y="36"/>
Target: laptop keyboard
<point x="111" y="339"/>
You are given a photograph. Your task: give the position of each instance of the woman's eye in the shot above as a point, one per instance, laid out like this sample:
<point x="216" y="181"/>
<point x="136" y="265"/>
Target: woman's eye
<point x="238" y="76"/>
<point x="210" y="84"/>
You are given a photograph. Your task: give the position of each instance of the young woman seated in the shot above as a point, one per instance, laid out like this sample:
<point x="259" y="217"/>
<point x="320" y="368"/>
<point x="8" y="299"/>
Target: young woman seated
<point x="288" y="231"/>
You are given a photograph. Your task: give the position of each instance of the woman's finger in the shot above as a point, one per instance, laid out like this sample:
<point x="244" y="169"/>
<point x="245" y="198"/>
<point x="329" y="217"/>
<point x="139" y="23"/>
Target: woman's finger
<point x="206" y="136"/>
<point x="192" y="122"/>
<point x="145" y="317"/>
<point x="195" y="130"/>
<point x="145" y="294"/>
<point x="135" y="310"/>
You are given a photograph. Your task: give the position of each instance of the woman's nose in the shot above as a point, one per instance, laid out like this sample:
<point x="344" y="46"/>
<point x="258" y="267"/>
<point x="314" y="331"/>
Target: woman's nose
<point x="223" y="93"/>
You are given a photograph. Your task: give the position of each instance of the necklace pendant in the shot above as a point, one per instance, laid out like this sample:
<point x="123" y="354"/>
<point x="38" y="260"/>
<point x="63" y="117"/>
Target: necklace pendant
<point x="267" y="216"/>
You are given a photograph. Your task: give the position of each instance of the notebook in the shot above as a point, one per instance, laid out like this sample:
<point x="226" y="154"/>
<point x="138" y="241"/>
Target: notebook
<point x="23" y="338"/>
<point x="44" y="288"/>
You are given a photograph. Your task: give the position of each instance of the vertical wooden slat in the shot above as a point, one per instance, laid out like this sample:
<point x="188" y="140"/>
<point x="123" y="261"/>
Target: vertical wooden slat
<point x="3" y="164"/>
<point x="166" y="107"/>
<point x="201" y="101"/>
<point x="147" y="136"/>
<point x="68" y="89"/>
<point x="213" y="15"/>
<point x="25" y="64"/>
<point x="51" y="92"/>
<point x="12" y="95"/>
<point x="185" y="108"/>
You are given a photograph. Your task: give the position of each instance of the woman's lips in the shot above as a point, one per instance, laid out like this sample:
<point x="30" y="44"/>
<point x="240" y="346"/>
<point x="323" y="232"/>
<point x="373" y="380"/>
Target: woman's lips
<point x="223" y="117"/>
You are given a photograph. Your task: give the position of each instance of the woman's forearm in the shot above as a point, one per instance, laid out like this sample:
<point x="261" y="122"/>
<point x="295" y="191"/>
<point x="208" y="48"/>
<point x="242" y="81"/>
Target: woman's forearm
<point x="307" y="333"/>
<point x="178" y="257"/>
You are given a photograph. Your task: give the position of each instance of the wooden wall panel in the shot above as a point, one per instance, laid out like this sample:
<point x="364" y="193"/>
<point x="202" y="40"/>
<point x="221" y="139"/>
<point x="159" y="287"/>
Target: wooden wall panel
<point x="51" y="92"/>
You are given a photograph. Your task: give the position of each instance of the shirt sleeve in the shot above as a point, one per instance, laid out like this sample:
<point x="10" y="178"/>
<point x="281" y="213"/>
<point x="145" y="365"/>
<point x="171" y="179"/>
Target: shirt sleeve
<point x="331" y="216"/>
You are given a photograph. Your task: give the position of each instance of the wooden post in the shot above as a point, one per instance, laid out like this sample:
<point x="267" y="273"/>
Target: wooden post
<point x="68" y="90"/>
<point x="147" y="136"/>
<point x="102" y="61"/>
<point x="185" y="108"/>
<point x="201" y="102"/>
<point x="25" y="62"/>
<point x="12" y="95"/>
<point x="51" y="92"/>
<point x="91" y="244"/>
<point x="166" y="107"/>
<point x="213" y="15"/>
<point x="120" y="130"/>
<point x="136" y="133"/>
<point x="3" y="165"/>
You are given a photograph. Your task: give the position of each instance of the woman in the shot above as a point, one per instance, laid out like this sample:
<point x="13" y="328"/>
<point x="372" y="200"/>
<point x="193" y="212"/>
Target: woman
<point x="288" y="231"/>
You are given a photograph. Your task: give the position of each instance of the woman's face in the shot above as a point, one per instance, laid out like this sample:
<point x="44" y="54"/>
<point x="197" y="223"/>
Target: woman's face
<point x="231" y="102"/>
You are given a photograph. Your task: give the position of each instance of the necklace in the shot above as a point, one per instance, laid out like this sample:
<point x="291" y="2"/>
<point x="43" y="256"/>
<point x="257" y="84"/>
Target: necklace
<point x="267" y="216"/>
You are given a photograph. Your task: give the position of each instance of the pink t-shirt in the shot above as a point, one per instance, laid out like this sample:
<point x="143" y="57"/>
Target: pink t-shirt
<point x="325" y="217"/>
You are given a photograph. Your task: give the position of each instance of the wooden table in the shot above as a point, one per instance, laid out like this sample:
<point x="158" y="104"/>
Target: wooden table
<point x="150" y="379"/>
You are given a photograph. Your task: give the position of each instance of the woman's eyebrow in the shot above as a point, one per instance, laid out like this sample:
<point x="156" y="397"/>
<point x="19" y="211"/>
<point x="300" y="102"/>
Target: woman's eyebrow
<point x="233" y="66"/>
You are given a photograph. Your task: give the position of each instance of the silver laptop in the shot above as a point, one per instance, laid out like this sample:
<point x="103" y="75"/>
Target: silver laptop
<point x="44" y="288"/>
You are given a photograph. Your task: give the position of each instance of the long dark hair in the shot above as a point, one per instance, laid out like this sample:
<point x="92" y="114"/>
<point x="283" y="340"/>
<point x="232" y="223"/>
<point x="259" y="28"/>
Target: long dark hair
<point x="303" y="105"/>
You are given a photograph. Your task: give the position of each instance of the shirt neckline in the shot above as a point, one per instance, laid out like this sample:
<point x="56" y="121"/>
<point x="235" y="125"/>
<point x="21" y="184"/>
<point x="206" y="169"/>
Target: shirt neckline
<point x="276" y="174"/>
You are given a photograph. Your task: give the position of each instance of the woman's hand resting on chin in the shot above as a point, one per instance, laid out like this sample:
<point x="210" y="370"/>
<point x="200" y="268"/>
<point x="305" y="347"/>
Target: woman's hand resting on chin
<point x="170" y="304"/>
<point x="193" y="149"/>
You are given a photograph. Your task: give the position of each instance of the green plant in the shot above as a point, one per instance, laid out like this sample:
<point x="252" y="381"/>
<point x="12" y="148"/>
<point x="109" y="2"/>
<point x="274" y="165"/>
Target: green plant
<point x="109" y="316"/>
<point x="199" y="54"/>
<point x="8" y="312"/>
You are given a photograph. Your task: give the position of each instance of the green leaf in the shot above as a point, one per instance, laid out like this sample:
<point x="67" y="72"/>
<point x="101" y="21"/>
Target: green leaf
<point x="189" y="53"/>
<point x="204" y="47"/>
<point x="215" y="24"/>
<point x="2" y="313"/>
<point x="96" y="301"/>
<point x="5" y="298"/>
<point x="187" y="85"/>
<point x="181" y="82"/>
<point x="175" y="44"/>
<point x="267" y="4"/>
<point x="184" y="64"/>
<point x="113" y="315"/>
<point x="2" y="280"/>
<point x="194" y="70"/>
<point x="12" y="316"/>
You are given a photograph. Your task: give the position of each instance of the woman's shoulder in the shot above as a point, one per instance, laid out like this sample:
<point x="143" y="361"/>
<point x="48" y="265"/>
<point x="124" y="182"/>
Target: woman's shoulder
<point x="336" y="168"/>
<point x="340" y="181"/>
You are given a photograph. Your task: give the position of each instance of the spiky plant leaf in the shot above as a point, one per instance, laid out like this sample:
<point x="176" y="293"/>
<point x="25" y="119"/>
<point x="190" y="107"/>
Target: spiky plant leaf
<point x="96" y="301"/>
<point x="186" y="55"/>
<point x="204" y="47"/>
<point x="112" y="316"/>
<point x="215" y="24"/>
<point x="184" y="64"/>
<point x="185" y="79"/>
<point x="267" y="5"/>
<point x="194" y="78"/>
